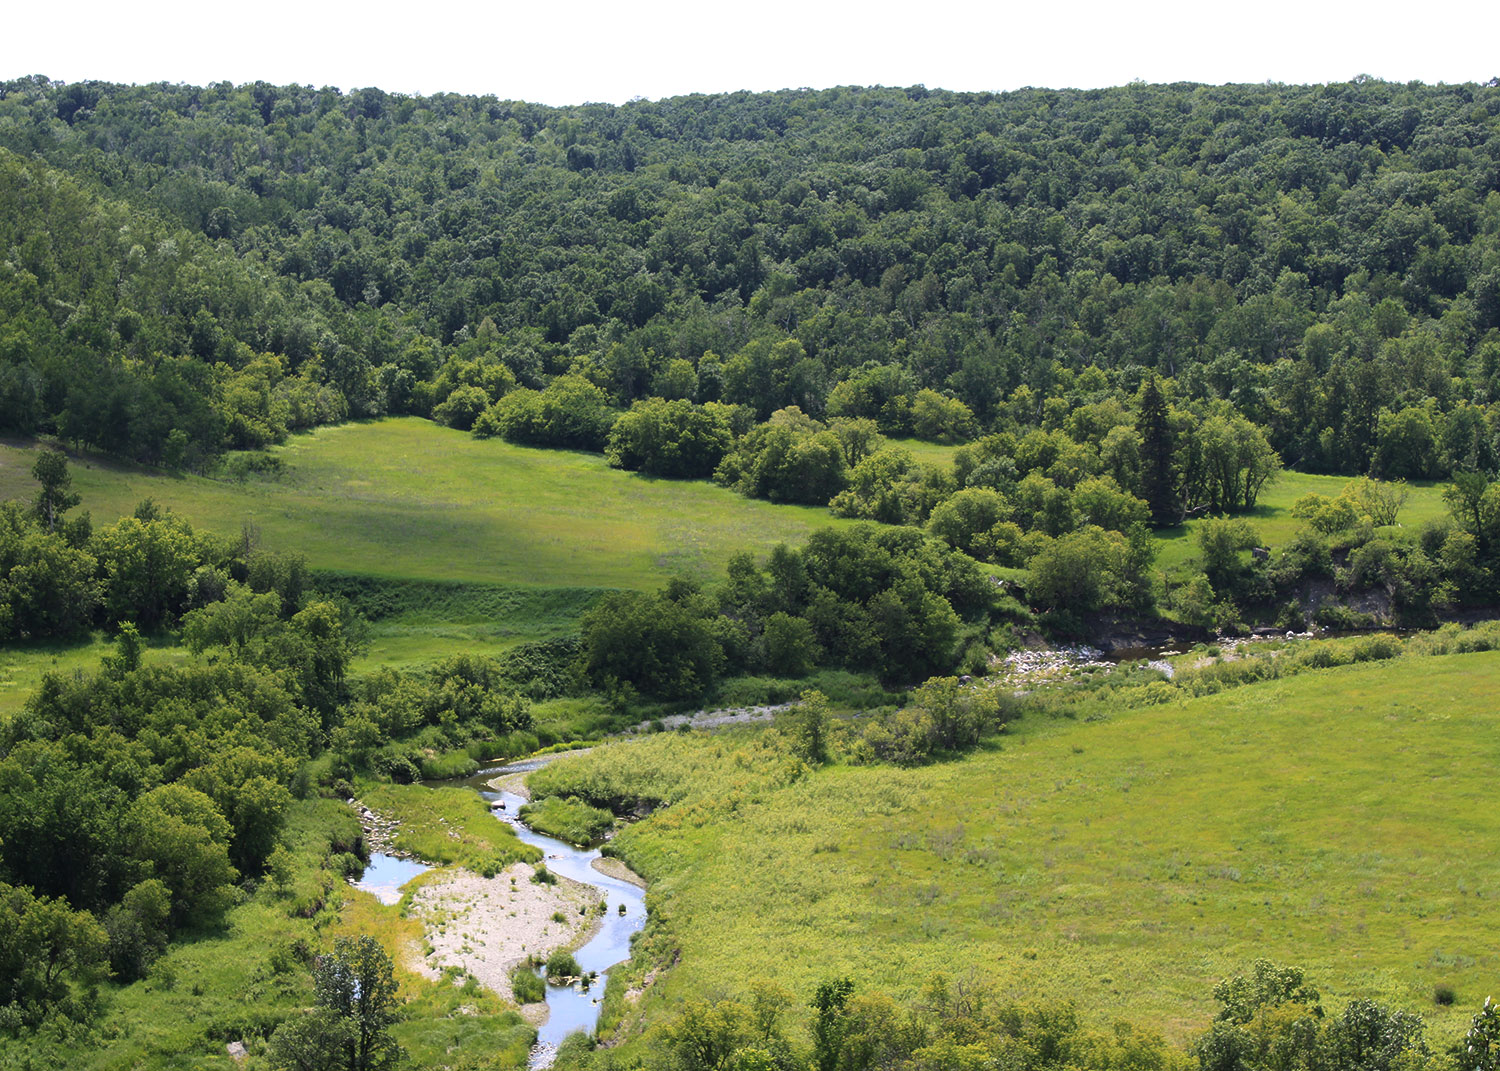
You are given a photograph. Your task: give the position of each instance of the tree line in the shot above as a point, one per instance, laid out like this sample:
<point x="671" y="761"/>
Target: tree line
<point x="1269" y="1018"/>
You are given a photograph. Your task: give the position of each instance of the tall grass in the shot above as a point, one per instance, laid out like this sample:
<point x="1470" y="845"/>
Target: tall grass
<point x="1338" y="819"/>
<point x="447" y="826"/>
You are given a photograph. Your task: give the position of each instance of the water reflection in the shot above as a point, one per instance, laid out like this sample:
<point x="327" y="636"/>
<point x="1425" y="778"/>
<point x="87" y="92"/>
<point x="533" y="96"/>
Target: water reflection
<point x="385" y="874"/>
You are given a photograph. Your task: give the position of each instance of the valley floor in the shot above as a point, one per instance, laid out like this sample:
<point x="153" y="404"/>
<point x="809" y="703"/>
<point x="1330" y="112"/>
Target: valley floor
<point x="1340" y="820"/>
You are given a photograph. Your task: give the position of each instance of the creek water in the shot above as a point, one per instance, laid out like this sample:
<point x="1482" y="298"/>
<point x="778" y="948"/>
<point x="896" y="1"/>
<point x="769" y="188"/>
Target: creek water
<point x="385" y="874"/>
<point x="570" y="1008"/>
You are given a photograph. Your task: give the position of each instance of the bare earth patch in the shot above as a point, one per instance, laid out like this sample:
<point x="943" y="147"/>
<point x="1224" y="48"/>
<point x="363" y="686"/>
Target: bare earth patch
<point x="486" y="926"/>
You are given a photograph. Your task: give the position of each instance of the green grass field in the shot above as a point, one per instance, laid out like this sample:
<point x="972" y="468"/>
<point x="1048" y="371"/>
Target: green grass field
<point x="495" y="544"/>
<point x="407" y="498"/>
<point x="928" y="453"/>
<point x="1272" y="516"/>
<point x="1342" y="820"/>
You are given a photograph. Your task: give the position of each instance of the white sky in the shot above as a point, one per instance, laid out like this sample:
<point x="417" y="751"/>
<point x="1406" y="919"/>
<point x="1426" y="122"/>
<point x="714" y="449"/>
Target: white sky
<point x="567" y="53"/>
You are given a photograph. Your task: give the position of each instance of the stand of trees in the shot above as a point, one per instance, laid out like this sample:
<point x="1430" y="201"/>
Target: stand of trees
<point x="867" y="597"/>
<point x="190" y="269"/>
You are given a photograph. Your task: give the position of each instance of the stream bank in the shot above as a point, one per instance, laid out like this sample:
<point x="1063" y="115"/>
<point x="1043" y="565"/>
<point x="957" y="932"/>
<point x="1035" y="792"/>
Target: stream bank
<point x="589" y="905"/>
<point x="576" y="1004"/>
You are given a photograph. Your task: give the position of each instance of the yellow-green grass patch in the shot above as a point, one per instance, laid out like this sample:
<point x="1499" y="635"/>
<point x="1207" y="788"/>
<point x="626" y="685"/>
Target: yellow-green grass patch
<point x="1342" y="820"/>
<point x="446" y="826"/>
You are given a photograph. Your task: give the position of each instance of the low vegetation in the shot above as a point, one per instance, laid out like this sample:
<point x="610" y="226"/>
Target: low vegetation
<point x="447" y="826"/>
<point x="568" y="819"/>
<point x="1266" y="1018"/>
<point x="1008" y="861"/>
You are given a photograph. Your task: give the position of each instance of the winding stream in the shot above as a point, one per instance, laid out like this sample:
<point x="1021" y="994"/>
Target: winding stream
<point x="570" y="1008"/>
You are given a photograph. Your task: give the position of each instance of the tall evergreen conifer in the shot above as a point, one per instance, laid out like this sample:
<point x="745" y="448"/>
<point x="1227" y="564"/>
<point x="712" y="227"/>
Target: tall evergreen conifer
<point x="1158" y="480"/>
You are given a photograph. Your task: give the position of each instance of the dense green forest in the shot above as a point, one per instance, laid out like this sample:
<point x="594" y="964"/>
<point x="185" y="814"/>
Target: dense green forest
<point x="1137" y="304"/>
<point x="230" y="262"/>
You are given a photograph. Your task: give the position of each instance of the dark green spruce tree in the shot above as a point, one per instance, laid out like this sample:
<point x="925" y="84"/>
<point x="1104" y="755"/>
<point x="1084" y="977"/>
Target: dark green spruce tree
<point x="1158" y="480"/>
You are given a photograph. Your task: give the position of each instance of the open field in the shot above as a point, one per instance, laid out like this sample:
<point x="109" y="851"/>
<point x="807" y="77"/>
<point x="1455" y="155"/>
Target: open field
<point x="408" y="498"/>
<point x="1272" y="516"/>
<point x="405" y="498"/>
<point x="1125" y="864"/>
<point x="497" y="544"/>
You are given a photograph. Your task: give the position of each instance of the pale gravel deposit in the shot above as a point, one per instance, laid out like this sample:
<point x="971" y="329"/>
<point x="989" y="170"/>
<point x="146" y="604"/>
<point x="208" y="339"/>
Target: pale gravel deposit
<point x="715" y="719"/>
<point x="487" y="926"/>
<point x="613" y="868"/>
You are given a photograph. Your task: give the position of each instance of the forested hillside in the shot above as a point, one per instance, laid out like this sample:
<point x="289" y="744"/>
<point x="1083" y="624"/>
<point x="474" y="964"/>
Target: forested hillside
<point x="231" y="262"/>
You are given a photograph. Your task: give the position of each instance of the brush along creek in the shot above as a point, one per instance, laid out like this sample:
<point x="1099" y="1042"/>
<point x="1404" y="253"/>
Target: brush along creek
<point x="488" y="926"/>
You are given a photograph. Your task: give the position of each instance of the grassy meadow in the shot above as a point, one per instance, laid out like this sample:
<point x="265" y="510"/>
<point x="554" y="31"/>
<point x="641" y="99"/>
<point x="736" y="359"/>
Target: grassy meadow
<point x="1272" y="516"/>
<point x="478" y="544"/>
<point x="406" y="498"/>
<point x="1127" y="864"/>
<point x="450" y="543"/>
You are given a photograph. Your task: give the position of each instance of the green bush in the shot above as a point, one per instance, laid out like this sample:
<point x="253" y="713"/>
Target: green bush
<point x="562" y="965"/>
<point x="527" y="987"/>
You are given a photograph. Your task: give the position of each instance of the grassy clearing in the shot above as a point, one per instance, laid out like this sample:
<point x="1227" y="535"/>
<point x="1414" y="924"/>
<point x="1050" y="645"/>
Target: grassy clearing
<point x="405" y="498"/>
<point x="417" y="622"/>
<point x="447" y="826"/>
<point x="1273" y="519"/>
<point x="928" y="453"/>
<point x="22" y="665"/>
<point x="1126" y="864"/>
